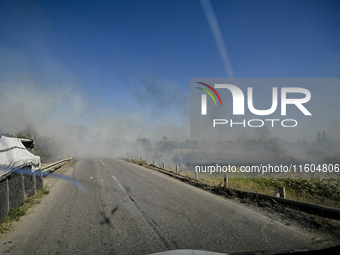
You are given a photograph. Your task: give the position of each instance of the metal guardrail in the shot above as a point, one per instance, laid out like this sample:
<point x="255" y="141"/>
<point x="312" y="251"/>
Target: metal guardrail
<point x="319" y="210"/>
<point x="50" y="168"/>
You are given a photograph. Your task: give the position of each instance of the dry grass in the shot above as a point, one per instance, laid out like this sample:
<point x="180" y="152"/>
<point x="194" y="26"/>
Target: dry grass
<point x="325" y="191"/>
<point x="15" y="214"/>
<point x="185" y="174"/>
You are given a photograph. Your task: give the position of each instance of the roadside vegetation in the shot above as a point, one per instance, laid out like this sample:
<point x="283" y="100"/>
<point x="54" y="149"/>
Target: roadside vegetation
<point x="325" y="191"/>
<point x="322" y="191"/>
<point x="15" y="214"/>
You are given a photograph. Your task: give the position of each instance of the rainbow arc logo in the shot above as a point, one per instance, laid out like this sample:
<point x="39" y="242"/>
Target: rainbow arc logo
<point x="204" y="97"/>
<point x="213" y="90"/>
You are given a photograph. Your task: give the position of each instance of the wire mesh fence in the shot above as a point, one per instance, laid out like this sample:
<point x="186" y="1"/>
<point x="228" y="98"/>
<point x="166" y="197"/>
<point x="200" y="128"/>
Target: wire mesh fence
<point x="16" y="189"/>
<point x="4" y="199"/>
<point x="30" y="184"/>
<point x="39" y="182"/>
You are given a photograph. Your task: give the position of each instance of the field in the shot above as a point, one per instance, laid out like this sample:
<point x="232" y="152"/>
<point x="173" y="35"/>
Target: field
<point x="322" y="191"/>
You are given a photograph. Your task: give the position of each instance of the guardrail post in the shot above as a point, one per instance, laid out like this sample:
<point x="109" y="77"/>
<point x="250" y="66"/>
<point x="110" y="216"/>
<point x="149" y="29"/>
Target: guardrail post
<point x="196" y="175"/>
<point x="225" y="181"/>
<point x="282" y="192"/>
<point x="176" y="168"/>
<point x="163" y="164"/>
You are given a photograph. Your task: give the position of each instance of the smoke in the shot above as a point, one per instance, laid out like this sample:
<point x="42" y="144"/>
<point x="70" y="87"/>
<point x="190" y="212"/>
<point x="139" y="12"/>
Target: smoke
<point x="40" y="94"/>
<point x="162" y="94"/>
<point x="38" y="89"/>
<point x="38" y="101"/>
<point x="54" y="113"/>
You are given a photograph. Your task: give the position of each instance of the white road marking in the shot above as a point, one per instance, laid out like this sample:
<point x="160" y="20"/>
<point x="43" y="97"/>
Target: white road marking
<point x="120" y="186"/>
<point x="102" y="163"/>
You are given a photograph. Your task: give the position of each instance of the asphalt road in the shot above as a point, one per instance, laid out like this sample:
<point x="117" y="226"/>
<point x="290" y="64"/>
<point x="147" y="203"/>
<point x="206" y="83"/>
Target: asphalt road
<point x="128" y="209"/>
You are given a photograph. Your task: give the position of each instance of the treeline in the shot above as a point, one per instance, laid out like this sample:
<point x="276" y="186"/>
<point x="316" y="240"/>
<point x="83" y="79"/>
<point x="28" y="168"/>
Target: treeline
<point x="165" y="145"/>
<point x="321" y="150"/>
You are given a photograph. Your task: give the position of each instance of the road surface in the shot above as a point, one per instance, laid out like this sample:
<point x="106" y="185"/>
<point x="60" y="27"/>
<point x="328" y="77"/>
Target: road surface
<point x="128" y="209"/>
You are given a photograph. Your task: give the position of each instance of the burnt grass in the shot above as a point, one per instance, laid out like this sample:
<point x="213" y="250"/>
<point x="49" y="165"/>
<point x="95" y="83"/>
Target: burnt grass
<point x="287" y="214"/>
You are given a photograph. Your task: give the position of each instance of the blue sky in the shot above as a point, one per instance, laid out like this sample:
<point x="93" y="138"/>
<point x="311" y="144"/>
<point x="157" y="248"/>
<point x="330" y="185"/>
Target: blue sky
<point x="138" y="56"/>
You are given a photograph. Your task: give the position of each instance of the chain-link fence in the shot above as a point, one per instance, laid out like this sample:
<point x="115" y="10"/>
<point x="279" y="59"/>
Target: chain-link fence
<point x="4" y="199"/>
<point x="17" y="186"/>
<point x="30" y="183"/>
<point x="16" y="189"/>
<point x="39" y="180"/>
<point x="17" y="182"/>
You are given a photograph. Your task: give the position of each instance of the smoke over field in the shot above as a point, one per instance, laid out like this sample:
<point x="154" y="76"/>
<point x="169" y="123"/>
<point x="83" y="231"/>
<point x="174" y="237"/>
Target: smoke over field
<point x="99" y="90"/>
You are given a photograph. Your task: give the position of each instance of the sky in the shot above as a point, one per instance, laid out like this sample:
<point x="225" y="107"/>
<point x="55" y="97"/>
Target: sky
<point x="125" y="66"/>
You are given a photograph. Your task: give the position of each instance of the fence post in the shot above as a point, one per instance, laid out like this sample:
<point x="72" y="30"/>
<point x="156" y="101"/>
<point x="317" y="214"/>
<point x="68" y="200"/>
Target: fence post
<point x="153" y="162"/>
<point x="282" y="192"/>
<point x="225" y="181"/>
<point x="176" y="168"/>
<point x="196" y="175"/>
<point x="163" y="164"/>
